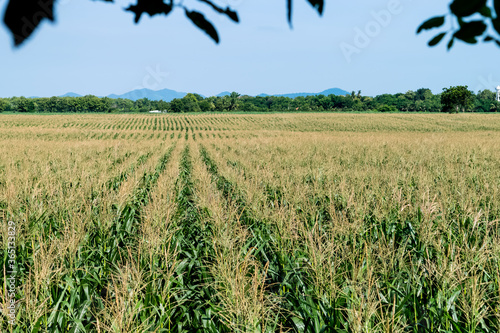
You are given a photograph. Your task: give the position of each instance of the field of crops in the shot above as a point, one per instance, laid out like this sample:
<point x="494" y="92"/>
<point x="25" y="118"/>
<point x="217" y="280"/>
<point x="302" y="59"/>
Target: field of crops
<point x="250" y="223"/>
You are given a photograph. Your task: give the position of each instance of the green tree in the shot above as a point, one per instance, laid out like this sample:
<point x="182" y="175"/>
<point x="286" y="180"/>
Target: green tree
<point x="177" y="105"/>
<point x="3" y="104"/>
<point x="206" y="105"/>
<point x="423" y="94"/>
<point x="143" y="105"/>
<point x="190" y="103"/>
<point x="222" y="103"/>
<point x="455" y="99"/>
<point x="248" y="106"/>
<point x="486" y="101"/>
<point x="368" y="103"/>
<point x="198" y="97"/>
<point x="233" y="101"/>
<point x="386" y="108"/>
<point x="25" y="105"/>
<point x="125" y="105"/>
<point x="410" y="95"/>
<point x="162" y="105"/>
<point x="105" y="104"/>
<point x="486" y="95"/>
<point x="495" y="106"/>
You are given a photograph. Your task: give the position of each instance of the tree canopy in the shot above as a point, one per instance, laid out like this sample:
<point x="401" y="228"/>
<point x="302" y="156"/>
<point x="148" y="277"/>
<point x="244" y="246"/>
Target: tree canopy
<point x="23" y="17"/>
<point x="453" y="99"/>
<point x="469" y="20"/>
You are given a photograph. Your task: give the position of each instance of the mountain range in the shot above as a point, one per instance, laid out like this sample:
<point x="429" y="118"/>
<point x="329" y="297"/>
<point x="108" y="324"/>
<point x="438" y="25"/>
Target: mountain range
<point x="164" y="94"/>
<point x="168" y="95"/>
<point x="332" y="91"/>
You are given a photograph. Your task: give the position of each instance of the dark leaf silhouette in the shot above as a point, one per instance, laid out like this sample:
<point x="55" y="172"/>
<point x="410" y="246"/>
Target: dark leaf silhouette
<point x="450" y="43"/>
<point x="467" y="31"/>
<point x="230" y="13"/>
<point x="434" y="22"/>
<point x="485" y="11"/>
<point x="496" y="24"/>
<point x="318" y="4"/>
<point x="470" y="30"/>
<point x="201" y="22"/>
<point x="464" y="8"/>
<point x="437" y="39"/>
<point x="151" y="7"/>
<point x="23" y="17"/>
<point x="289" y="11"/>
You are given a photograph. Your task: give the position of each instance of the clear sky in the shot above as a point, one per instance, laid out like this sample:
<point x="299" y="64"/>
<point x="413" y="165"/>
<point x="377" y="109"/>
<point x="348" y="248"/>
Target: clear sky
<point x="95" y="48"/>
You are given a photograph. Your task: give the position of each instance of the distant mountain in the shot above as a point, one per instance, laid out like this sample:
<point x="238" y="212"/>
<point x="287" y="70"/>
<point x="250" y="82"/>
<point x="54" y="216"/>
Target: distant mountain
<point x="332" y="91"/>
<point x="168" y="95"/>
<point x="71" y="94"/>
<point x="165" y="94"/>
<point x="335" y="91"/>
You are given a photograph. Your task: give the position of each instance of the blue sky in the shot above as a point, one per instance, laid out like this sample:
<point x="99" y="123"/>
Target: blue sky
<point x="95" y="48"/>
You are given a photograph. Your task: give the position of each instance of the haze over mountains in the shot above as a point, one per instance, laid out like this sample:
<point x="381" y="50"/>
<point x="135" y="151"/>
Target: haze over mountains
<point x="168" y="95"/>
<point x="165" y="94"/>
<point x="332" y="91"/>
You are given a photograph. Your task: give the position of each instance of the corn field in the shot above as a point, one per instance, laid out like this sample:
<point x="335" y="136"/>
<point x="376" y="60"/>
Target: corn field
<point x="250" y="223"/>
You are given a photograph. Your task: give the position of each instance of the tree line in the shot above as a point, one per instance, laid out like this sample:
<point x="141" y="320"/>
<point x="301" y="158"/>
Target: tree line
<point x="453" y="99"/>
